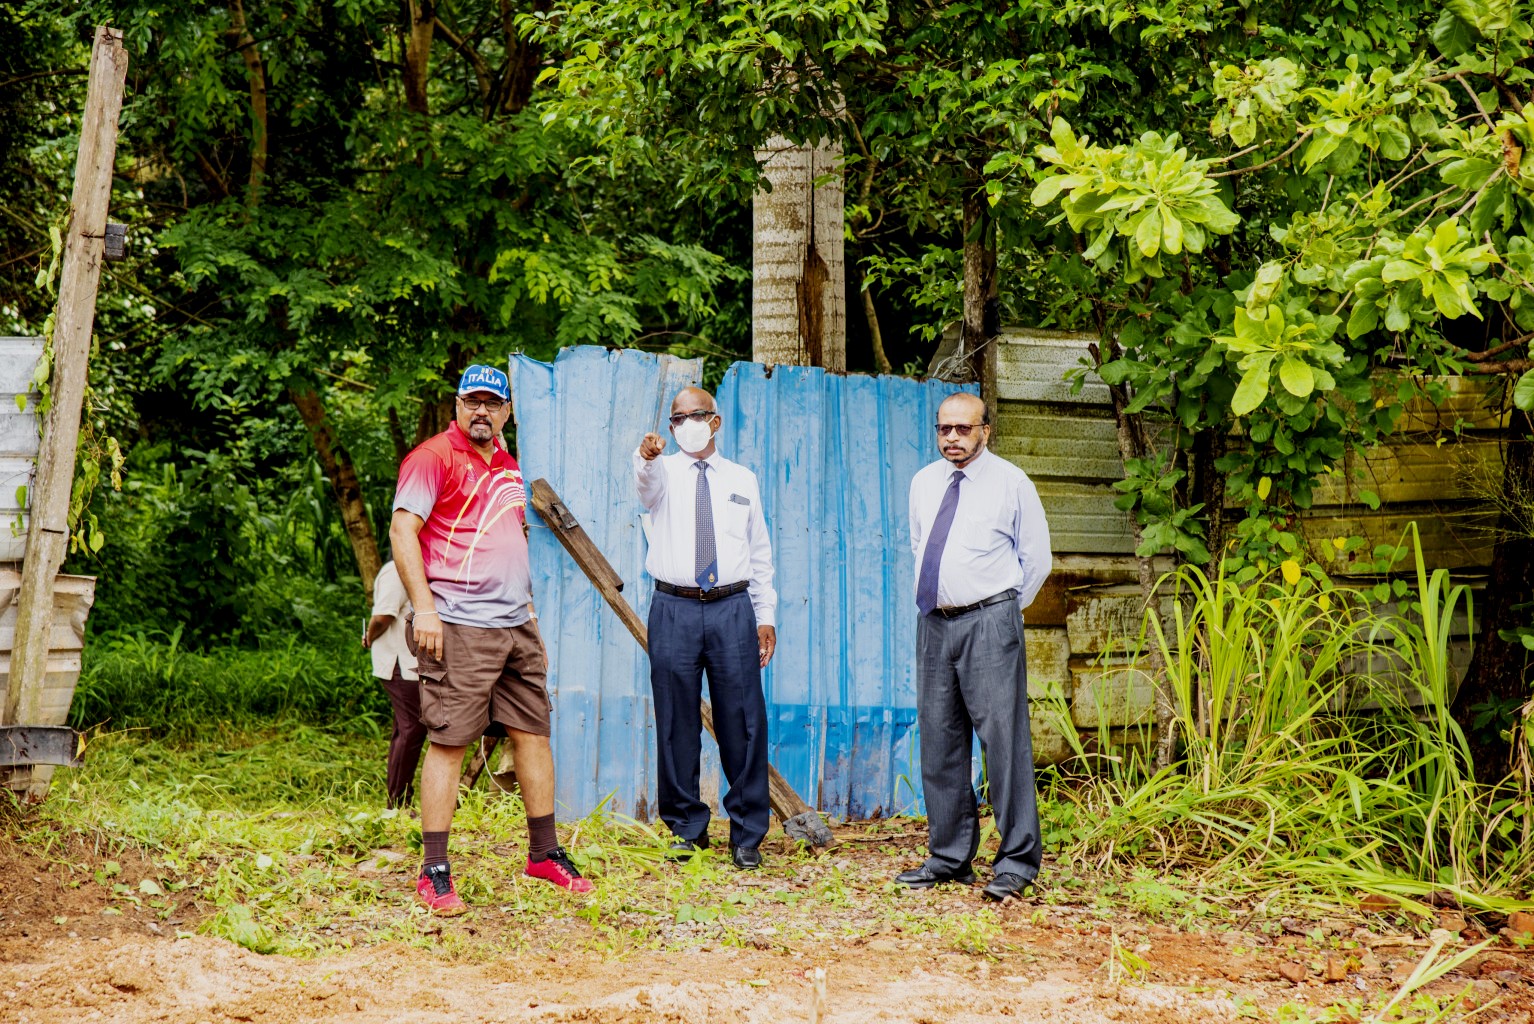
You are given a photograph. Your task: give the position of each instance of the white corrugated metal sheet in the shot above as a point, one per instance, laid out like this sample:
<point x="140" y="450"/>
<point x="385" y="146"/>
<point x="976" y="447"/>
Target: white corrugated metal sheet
<point x="18" y="439"/>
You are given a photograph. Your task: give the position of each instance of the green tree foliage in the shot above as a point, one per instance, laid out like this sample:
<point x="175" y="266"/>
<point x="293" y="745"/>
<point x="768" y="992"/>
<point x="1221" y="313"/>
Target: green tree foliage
<point x="1370" y="206"/>
<point x="331" y="212"/>
<point x="1283" y="220"/>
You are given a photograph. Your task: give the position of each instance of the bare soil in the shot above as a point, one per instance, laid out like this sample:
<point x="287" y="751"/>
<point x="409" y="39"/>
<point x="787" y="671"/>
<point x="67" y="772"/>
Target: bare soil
<point x="73" y="949"/>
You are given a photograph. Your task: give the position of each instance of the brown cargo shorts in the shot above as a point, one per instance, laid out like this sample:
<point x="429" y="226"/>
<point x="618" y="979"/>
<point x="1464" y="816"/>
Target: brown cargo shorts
<point x="486" y="677"/>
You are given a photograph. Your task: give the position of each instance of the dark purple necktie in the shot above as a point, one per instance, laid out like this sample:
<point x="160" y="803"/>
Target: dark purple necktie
<point x="932" y="557"/>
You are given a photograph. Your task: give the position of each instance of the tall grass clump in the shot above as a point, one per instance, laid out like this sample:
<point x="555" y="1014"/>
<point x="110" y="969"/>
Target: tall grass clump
<point x="151" y="681"/>
<point x="1316" y="749"/>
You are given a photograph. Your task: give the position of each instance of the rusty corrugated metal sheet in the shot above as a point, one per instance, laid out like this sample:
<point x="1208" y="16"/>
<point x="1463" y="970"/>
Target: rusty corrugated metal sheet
<point x="1063" y="439"/>
<point x="18" y="439"/>
<point x="835" y="456"/>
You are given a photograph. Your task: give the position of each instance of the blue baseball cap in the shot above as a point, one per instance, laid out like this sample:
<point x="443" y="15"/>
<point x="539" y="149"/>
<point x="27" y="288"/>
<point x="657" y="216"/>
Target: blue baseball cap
<point x="485" y="378"/>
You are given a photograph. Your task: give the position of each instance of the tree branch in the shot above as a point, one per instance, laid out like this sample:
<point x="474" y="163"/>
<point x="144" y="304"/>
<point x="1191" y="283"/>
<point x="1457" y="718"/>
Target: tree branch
<point x="1507" y="93"/>
<point x="1507" y="366"/>
<point x="1266" y="163"/>
<point x="1476" y="100"/>
<point x="42" y="74"/>
<point x="1426" y="199"/>
<point x="481" y="69"/>
<point x="1501" y="169"/>
<point x="255" y="75"/>
<point x="423" y="20"/>
<point x="1491" y="353"/>
<point x="1228" y="157"/>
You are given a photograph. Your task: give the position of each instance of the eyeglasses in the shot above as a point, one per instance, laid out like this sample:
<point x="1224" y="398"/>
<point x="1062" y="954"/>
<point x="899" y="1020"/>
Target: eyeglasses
<point x="962" y="429"/>
<point x="491" y="405"/>
<point x="698" y="416"/>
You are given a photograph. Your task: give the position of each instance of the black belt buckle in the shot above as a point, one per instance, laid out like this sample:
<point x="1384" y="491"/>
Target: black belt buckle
<point x="953" y="613"/>
<point x="698" y="594"/>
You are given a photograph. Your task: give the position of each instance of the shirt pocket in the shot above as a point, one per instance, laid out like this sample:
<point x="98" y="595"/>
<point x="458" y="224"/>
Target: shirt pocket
<point x="732" y="518"/>
<point x="983" y="531"/>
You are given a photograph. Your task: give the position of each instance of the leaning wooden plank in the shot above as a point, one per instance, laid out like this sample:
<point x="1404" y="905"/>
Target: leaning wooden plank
<point x="800" y="820"/>
<point x="48" y="527"/>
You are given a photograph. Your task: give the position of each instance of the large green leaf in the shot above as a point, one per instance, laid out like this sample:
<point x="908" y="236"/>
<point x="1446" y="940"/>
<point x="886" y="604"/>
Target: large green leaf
<point x="1297" y="376"/>
<point x="1487" y="16"/>
<point x="1468" y="172"/>
<point x="1264" y="286"/>
<point x="1253" y="387"/>
<point x="1523" y="392"/>
<point x="1171" y="233"/>
<point x="1148" y="234"/>
<point x="1365" y="318"/>
<point x="1452" y="35"/>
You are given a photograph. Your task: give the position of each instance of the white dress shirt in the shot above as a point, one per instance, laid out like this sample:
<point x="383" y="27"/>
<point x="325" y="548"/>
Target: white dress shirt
<point x="999" y="539"/>
<point x="668" y="490"/>
<point x="389" y="598"/>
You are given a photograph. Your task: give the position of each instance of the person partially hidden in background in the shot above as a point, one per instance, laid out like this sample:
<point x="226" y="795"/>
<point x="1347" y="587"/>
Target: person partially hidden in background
<point x="982" y="552"/>
<point x="394" y="667"/>
<point x="712" y="612"/>
<point x="459" y="542"/>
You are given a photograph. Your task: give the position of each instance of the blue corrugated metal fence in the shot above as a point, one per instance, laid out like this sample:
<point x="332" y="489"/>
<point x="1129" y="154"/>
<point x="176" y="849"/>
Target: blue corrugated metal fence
<point x="835" y="456"/>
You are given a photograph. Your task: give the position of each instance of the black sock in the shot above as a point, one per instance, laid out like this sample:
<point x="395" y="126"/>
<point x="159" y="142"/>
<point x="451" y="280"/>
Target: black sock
<point x="434" y="850"/>
<point x="541" y="840"/>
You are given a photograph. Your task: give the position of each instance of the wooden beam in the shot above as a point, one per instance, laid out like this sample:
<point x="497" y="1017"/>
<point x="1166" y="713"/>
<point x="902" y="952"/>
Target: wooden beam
<point x="74" y="317"/>
<point x="786" y="803"/>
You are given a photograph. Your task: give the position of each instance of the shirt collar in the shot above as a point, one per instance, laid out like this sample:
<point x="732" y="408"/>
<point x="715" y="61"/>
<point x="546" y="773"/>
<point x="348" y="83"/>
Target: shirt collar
<point x="975" y="467"/>
<point x="458" y="439"/>
<point x="715" y="461"/>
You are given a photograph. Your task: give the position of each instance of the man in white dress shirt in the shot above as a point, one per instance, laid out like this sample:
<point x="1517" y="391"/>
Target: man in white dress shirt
<point x="982" y="552"/>
<point x="712" y="612"/>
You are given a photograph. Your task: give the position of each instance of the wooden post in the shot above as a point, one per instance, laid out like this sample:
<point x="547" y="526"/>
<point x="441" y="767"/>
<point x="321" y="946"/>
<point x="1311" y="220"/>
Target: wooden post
<point x="799" y="818"/>
<point x="75" y="315"/>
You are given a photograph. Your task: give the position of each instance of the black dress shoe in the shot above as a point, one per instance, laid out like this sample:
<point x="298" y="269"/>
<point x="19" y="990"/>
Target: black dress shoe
<point x="747" y="858"/>
<point x="926" y="877"/>
<point x="1005" y="885"/>
<point x="683" y="849"/>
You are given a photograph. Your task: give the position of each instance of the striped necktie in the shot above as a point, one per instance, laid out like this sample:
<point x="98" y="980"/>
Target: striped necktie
<point x="706" y="561"/>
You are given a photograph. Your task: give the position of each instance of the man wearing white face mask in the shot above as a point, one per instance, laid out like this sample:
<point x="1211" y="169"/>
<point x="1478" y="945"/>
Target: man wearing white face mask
<point x="713" y="611"/>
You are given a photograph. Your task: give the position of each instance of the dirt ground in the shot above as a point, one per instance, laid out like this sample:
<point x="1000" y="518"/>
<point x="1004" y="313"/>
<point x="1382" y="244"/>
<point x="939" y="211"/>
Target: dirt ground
<point x="72" y="949"/>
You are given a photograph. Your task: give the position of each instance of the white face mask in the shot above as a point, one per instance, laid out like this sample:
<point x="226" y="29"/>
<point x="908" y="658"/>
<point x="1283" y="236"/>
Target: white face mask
<point x="692" y="436"/>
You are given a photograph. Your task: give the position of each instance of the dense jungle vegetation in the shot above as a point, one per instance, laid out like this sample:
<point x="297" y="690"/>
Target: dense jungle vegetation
<point x="1285" y="220"/>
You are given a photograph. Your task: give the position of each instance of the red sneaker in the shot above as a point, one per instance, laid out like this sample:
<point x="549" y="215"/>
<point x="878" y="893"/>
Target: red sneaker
<point x="558" y="869"/>
<point x="435" y="891"/>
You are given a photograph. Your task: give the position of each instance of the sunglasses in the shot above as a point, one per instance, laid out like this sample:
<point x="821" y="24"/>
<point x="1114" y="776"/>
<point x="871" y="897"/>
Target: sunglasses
<point x="487" y="404"/>
<point x="700" y="416"/>
<point x="962" y="429"/>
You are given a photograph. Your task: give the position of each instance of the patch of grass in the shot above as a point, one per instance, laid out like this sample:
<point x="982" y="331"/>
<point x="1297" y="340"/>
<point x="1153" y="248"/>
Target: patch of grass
<point x="276" y="838"/>
<point x="1318" y="758"/>
<point x="150" y="681"/>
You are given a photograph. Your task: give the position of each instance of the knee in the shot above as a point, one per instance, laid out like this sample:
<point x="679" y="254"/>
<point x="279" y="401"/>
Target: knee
<point x="438" y="752"/>
<point x="528" y="742"/>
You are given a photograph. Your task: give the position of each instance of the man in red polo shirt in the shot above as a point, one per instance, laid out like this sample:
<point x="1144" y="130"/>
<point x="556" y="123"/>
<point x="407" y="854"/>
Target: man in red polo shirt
<point x="461" y="547"/>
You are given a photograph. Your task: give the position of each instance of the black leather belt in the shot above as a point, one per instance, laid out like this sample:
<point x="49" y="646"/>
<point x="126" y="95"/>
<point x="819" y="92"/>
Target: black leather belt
<point x="953" y="613"/>
<point x="695" y="594"/>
